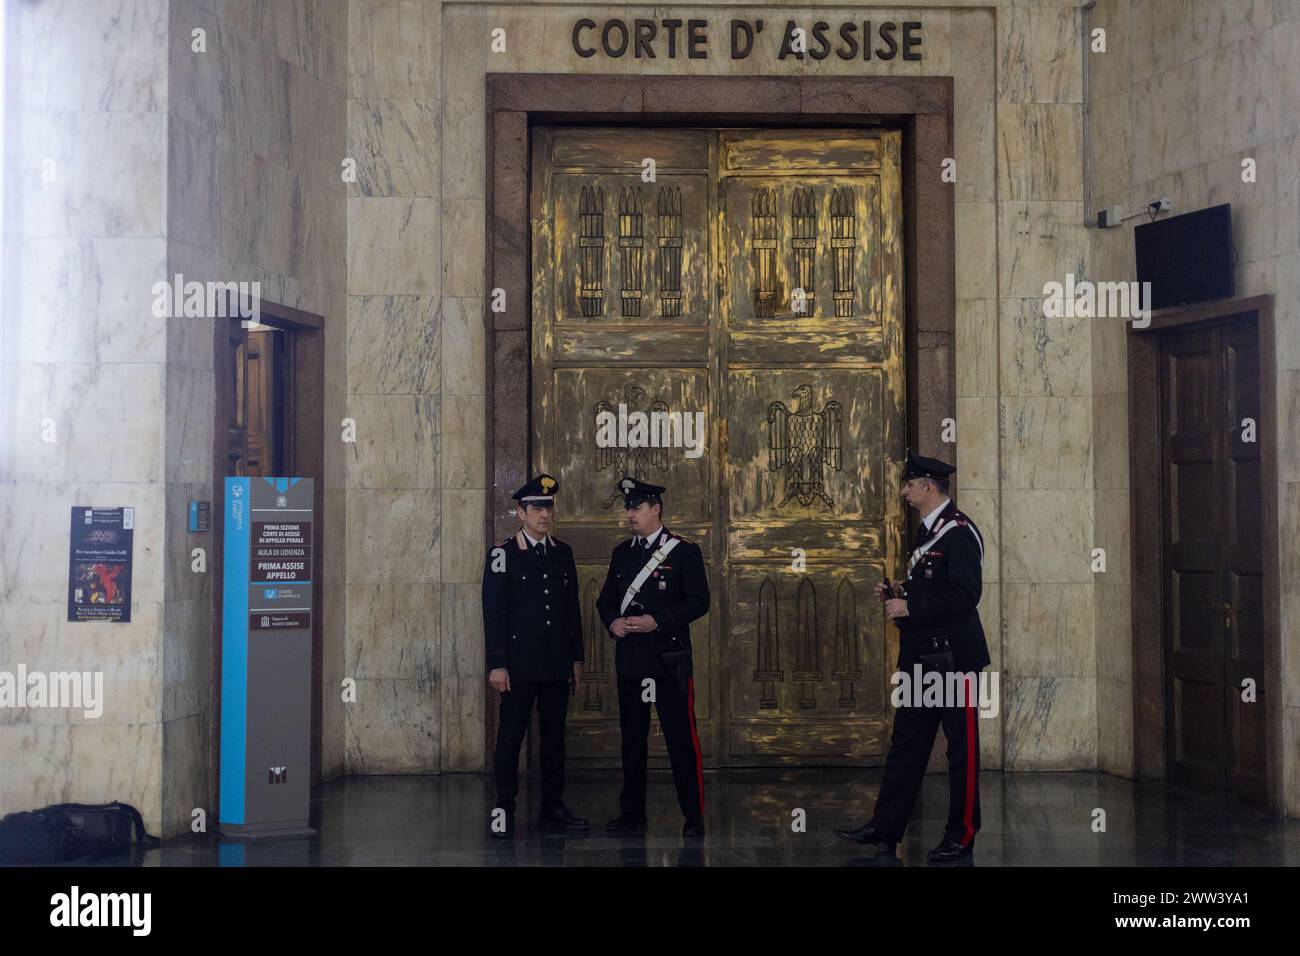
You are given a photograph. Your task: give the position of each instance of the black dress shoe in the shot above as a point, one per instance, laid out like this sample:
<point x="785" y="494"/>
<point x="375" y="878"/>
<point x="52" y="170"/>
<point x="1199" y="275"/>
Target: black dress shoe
<point x="950" y="851"/>
<point x="693" y="828"/>
<point x="563" y="818"/>
<point x="868" y="835"/>
<point x="626" y="823"/>
<point x="494" y="828"/>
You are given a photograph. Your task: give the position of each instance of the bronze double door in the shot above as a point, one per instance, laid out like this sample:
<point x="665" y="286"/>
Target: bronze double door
<point x="750" y="281"/>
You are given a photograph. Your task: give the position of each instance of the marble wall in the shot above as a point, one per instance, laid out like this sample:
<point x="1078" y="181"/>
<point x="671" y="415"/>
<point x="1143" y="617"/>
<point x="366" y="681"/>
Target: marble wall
<point x="418" y="456"/>
<point x="1044" y="441"/>
<point x="132" y="155"/>
<point x="84" y="239"/>
<point x="255" y="193"/>
<point x="1186" y="91"/>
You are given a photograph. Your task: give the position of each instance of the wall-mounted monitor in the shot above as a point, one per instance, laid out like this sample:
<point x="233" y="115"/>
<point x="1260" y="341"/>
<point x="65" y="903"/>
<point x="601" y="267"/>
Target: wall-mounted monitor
<point x="1186" y="258"/>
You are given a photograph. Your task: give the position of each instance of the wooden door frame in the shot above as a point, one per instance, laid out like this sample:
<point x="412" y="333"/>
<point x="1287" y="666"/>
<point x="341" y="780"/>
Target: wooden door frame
<point x="921" y="107"/>
<point x="1150" y="731"/>
<point x="304" y="456"/>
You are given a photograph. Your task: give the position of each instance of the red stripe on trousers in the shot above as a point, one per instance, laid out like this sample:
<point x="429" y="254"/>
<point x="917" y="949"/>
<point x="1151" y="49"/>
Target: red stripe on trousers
<point x="969" y="817"/>
<point x="695" y="740"/>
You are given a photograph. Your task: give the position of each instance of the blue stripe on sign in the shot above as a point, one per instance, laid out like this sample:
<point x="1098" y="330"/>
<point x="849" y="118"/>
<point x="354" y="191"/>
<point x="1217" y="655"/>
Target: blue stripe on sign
<point x="234" y="649"/>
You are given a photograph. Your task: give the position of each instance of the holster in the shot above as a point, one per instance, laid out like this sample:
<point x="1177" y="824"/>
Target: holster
<point x="937" y="657"/>
<point x="678" y="663"/>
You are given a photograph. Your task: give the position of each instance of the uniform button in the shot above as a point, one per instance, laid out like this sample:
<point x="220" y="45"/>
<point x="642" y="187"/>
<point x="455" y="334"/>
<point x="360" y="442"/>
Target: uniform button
<point x="548" y="623"/>
<point x="548" y="607"/>
<point x="544" y="591"/>
<point x="543" y="574"/>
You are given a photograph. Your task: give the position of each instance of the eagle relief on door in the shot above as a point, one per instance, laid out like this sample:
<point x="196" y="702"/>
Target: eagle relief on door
<point x="730" y="327"/>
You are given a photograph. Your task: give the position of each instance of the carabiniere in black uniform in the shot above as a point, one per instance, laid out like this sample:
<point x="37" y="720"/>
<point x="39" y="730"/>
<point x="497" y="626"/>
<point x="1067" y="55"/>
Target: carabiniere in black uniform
<point x="941" y="632"/>
<point x="532" y="624"/>
<point x="675" y="592"/>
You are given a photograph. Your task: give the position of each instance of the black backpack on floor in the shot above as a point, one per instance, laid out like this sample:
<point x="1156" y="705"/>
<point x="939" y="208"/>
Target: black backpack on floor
<point x="70" y="831"/>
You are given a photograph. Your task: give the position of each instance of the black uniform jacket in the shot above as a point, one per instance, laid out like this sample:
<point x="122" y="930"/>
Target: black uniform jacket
<point x="943" y="590"/>
<point x="532" y="618"/>
<point x="676" y="594"/>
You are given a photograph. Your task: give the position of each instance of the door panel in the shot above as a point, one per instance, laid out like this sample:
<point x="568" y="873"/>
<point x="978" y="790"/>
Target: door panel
<point x="1213" y="557"/>
<point x="803" y="232"/>
<point x="623" y="309"/>
<point x="630" y="250"/>
<point x="583" y="394"/>
<point x="805" y="679"/>
<point x="814" y="397"/>
<point x="675" y="296"/>
<point x="1243" y="561"/>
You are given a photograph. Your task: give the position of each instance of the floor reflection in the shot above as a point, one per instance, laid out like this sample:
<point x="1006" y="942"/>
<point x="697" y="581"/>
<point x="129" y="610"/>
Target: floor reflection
<point x="1030" y="819"/>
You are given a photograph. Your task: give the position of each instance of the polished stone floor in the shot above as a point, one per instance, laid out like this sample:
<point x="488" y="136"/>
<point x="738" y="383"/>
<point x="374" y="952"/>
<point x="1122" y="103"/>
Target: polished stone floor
<point x="1030" y="819"/>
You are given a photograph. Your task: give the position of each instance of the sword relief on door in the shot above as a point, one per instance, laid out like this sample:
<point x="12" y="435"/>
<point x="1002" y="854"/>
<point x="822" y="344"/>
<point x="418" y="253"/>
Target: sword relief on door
<point x="756" y="279"/>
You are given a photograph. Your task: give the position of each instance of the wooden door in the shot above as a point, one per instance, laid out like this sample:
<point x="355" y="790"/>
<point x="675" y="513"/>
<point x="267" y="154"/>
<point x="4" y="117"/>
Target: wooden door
<point x="255" y="395"/>
<point x="269" y="422"/>
<point x="1213" y="556"/>
<point x="676" y="295"/>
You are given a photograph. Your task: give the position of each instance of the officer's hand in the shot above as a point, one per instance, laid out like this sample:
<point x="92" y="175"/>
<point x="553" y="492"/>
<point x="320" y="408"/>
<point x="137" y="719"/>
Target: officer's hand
<point x="895" y="607"/>
<point x="619" y="627"/>
<point x="577" y="675"/>
<point x="881" y="590"/>
<point x="500" y="680"/>
<point x="644" y="624"/>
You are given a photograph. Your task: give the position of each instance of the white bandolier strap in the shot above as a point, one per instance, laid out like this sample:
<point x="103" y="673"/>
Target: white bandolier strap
<point x="939" y="532"/>
<point x="656" y="559"/>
